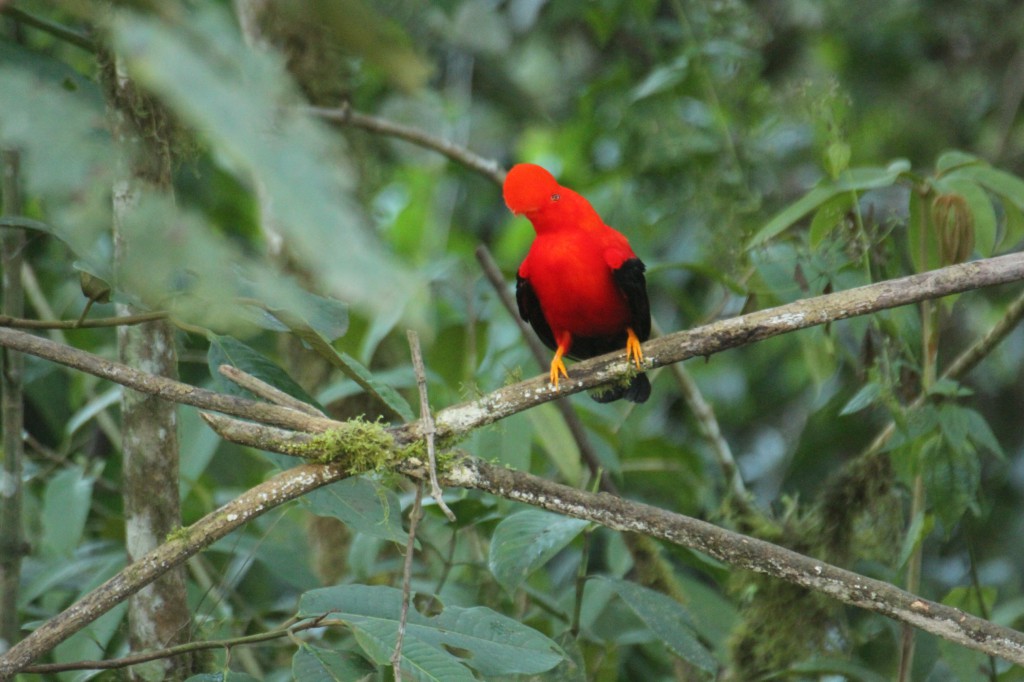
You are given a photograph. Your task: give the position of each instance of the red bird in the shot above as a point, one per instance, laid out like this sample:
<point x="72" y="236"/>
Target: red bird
<point x="581" y="287"/>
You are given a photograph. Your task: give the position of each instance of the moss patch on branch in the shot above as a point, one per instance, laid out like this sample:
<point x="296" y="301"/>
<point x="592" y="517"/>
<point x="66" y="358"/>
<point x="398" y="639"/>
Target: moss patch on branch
<point x="362" y="445"/>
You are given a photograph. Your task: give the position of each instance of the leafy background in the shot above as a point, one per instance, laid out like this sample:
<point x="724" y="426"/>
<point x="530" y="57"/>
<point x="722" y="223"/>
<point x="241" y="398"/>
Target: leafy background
<point x="753" y="153"/>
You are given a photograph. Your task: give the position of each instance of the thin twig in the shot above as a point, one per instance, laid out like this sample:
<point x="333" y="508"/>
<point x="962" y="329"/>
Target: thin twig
<point x="68" y="35"/>
<point x="266" y="391"/>
<point x="190" y="647"/>
<point x="345" y="115"/>
<point x="116" y="321"/>
<point x="410" y="548"/>
<point x="429" y="431"/>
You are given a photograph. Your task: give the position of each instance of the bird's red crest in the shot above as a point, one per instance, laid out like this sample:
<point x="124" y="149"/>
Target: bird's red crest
<point x="528" y="188"/>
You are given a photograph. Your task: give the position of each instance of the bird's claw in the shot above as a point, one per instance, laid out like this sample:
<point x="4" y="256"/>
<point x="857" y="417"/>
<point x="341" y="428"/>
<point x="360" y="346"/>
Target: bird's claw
<point x="634" y="351"/>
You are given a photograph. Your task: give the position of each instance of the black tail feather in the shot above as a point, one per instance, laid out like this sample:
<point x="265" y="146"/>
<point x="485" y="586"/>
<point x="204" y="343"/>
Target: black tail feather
<point x="637" y="391"/>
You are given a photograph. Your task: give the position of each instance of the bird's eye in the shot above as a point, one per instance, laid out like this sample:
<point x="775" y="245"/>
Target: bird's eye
<point x="555" y="197"/>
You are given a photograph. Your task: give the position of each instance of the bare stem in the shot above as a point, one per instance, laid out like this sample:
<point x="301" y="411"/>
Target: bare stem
<point x="410" y="548"/>
<point x="345" y="115"/>
<point x="427" y="421"/>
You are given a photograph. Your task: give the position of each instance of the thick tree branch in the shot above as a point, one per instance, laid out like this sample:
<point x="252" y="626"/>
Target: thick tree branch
<point x="730" y="333"/>
<point x="744" y="552"/>
<point x="458" y="420"/>
<point x="163" y="387"/>
<point x="180" y="546"/>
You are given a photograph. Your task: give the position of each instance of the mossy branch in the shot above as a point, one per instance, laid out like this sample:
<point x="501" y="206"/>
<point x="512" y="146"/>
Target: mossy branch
<point x="296" y="433"/>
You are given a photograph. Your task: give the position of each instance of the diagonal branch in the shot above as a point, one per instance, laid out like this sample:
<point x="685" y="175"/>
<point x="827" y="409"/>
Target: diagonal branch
<point x="456" y="421"/>
<point x="345" y="115"/>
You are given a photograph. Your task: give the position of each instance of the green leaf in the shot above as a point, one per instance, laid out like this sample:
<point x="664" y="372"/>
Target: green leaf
<point x="667" y="619"/>
<point x="328" y="317"/>
<point x="951" y="477"/>
<point x="69" y="158"/>
<point x="437" y="645"/>
<point x="864" y="397"/>
<point x="661" y="79"/>
<point x="953" y="160"/>
<point x="831" y="668"/>
<point x="981" y="433"/>
<point x="225" y="350"/>
<point x="920" y="527"/>
<point x="556" y="440"/>
<point x="226" y="676"/>
<point x="853" y="180"/>
<point x="363" y="505"/>
<point x="66" y="504"/>
<point x="829" y="216"/>
<point x="922" y="240"/>
<point x="242" y="102"/>
<point x="351" y="367"/>
<point x="525" y="541"/>
<point x="1013" y="224"/>
<point x="1006" y="185"/>
<point x="316" y="664"/>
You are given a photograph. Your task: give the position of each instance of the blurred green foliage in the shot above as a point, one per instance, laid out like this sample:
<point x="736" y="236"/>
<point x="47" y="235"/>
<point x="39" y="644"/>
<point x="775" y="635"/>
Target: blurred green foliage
<point x="754" y="153"/>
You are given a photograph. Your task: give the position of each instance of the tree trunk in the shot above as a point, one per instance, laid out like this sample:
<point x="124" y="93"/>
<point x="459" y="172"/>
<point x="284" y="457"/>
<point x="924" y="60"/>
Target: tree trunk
<point x="158" y="615"/>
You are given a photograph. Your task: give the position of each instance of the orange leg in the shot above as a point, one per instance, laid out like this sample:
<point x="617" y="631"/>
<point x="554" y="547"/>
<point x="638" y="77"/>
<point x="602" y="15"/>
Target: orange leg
<point x="558" y="367"/>
<point x="633" y="350"/>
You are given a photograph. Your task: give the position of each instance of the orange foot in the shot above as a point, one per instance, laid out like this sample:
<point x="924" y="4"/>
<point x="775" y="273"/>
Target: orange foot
<point x="633" y="350"/>
<point x="558" y="367"/>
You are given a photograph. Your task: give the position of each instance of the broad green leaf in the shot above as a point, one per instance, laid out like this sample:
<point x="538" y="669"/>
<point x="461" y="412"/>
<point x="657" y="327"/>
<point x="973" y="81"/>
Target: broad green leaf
<point x="953" y="160"/>
<point x="91" y="642"/>
<point x="227" y="676"/>
<point x="241" y="101"/>
<point x="955" y="424"/>
<point x="197" y="443"/>
<point x="316" y="664"/>
<point x="527" y="540"/>
<point x="66" y="506"/>
<point x="981" y="433"/>
<point x="328" y="317"/>
<point x="1006" y="185"/>
<point x="951" y="477"/>
<point x="829" y="215"/>
<point x="663" y="78"/>
<point x="225" y="350"/>
<point x="69" y="156"/>
<point x="864" y="397"/>
<point x="853" y="180"/>
<point x="1013" y="224"/>
<point x="89" y="565"/>
<point x="922" y="240"/>
<point x="486" y="641"/>
<point x="93" y="407"/>
<point x="832" y="669"/>
<point x="351" y="367"/>
<point x="507" y="442"/>
<point x="556" y="440"/>
<point x="667" y="619"/>
<point x="920" y="527"/>
<point x="362" y="504"/>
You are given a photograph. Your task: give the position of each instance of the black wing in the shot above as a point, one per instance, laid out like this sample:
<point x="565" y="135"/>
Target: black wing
<point x="630" y="279"/>
<point x="530" y="311"/>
